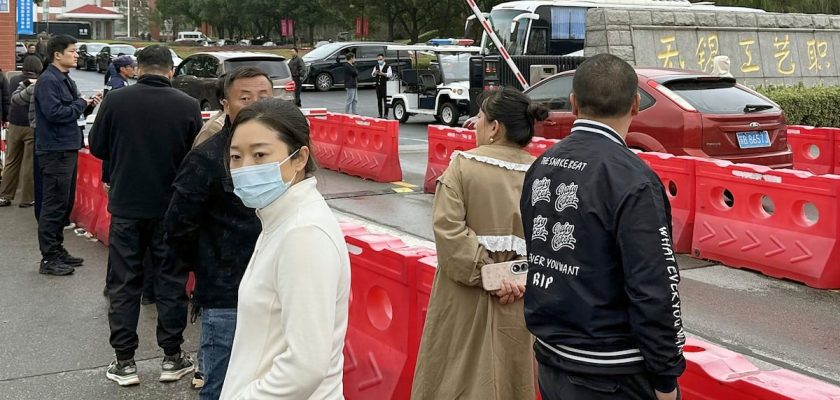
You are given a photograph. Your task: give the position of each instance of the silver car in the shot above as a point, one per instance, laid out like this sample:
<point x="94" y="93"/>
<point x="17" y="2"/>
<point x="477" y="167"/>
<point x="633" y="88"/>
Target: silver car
<point x="197" y="75"/>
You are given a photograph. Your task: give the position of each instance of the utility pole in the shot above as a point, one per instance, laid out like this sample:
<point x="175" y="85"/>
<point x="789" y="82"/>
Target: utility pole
<point x="128" y="34"/>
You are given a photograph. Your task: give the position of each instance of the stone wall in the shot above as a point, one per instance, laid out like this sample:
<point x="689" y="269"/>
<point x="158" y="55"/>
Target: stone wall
<point x="764" y="48"/>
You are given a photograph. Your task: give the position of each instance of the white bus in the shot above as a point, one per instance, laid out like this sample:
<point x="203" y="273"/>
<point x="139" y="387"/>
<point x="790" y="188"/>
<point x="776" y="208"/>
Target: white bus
<point x="558" y="27"/>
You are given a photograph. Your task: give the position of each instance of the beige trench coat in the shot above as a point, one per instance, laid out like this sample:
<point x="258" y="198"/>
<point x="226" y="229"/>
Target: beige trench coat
<point x="474" y="348"/>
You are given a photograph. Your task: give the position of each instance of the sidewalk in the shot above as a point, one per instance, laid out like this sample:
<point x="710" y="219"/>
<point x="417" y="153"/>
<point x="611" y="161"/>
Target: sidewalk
<point x="54" y="330"/>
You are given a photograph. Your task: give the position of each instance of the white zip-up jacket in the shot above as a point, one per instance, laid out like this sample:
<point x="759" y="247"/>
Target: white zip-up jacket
<point x="293" y="300"/>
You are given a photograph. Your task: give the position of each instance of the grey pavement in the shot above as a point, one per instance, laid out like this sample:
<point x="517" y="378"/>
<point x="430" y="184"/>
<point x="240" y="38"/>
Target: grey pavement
<point x="54" y="333"/>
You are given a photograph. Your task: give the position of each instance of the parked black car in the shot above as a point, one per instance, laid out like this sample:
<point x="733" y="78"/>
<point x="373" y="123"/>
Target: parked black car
<point x="325" y="64"/>
<point x="198" y="73"/>
<point x="87" y="55"/>
<point x="110" y="52"/>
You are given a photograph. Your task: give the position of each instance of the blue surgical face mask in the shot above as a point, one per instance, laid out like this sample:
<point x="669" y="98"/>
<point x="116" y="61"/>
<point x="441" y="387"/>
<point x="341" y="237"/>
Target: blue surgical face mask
<point x="382" y="63"/>
<point x="259" y="185"/>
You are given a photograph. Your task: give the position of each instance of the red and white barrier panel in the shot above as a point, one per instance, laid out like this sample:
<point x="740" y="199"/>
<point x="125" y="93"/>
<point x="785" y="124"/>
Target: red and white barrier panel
<point x="782" y="223"/>
<point x="714" y="373"/>
<point x="814" y="149"/>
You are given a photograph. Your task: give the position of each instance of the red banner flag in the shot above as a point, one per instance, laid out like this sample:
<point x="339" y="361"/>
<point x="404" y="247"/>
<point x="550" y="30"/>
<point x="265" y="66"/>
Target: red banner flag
<point x="365" y="29"/>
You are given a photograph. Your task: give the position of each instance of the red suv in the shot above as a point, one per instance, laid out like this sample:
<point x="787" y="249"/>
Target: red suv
<point x="685" y="113"/>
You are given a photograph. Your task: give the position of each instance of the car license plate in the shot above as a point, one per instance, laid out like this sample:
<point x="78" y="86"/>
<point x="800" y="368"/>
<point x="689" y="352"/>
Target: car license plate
<point x="753" y="140"/>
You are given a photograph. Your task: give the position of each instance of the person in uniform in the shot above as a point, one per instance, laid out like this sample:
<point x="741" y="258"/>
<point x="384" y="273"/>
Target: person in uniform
<point x="382" y="74"/>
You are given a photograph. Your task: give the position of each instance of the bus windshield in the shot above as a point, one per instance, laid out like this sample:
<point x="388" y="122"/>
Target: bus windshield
<point x="559" y="30"/>
<point x="501" y="21"/>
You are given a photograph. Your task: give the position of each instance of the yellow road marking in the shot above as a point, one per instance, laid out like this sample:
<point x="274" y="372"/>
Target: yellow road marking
<point x="404" y="184"/>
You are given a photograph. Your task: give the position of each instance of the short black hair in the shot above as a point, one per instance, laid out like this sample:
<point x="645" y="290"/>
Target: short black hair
<point x="32" y="64"/>
<point x="286" y="120"/>
<point x="59" y="44"/>
<point x="220" y="88"/>
<point x="351" y="56"/>
<point x="515" y="111"/>
<point x="605" y="86"/>
<point x="243" y="73"/>
<point x="380" y="55"/>
<point x="155" y="59"/>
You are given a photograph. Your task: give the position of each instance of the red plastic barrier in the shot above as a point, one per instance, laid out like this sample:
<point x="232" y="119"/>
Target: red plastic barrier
<point x="327" y="135"/>
<point x="443" y="142"/>
<point x="539" y="145"/>
<point x="88" y="202"/>
<point x="783" y="223"/>
<point x="836" y="163"/>
<point x="813" y="148"/>
<point x="376" y="345"/>
<point x="415" y="259"/>
<point x="677" y="175"/>
<point x="714" y="373"/>
<point x="370" y="149"/>
<point x="349" y="228"/>
<point x="308" y="112"/>
<point x="425" y="281"/>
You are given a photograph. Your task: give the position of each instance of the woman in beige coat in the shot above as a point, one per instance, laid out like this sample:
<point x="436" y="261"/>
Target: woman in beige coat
<point x="475" y="344"/>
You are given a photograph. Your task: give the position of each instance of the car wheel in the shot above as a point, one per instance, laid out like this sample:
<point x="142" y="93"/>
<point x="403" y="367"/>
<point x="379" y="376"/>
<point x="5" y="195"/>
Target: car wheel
<point x="449" y="114"/>
<point x="87" y="65"/>
<point x="399" y="111"/>
<point x="323" y="82"/>
<point x="437" y="119"/>
<point x="99" y="69"/>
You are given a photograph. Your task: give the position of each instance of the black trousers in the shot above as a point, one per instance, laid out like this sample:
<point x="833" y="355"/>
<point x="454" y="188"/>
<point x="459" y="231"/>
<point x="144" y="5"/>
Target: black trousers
<point x="36" y="174"/>
<point x="58" y="193"/>
<point x="129" y="241"/>
<point x="382" y="100"/>
<point x="298" y="88"/>
<point x="556" y="384"/>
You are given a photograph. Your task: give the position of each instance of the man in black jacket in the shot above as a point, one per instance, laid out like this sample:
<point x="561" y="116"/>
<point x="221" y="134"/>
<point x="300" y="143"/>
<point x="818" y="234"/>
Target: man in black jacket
<point x="297" y="69"/>
<point x="602" y="298"/>
<point x="58" y="112"/>
<point x="145" y="131"/>
<point x="213" y="232"/>
<point x="351" y="84"/>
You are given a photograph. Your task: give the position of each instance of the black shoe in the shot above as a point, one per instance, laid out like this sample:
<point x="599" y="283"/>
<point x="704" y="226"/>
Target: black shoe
<point x="176" y="367"/>
<point x="72" y="261"/>
<point x="55" y="267"/>
<point x="5" y="202"/>
<point x="123" y="372"/>
<point x="26" y="205"/>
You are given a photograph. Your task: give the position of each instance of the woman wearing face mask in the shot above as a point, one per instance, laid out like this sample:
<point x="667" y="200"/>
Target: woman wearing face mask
<point x="475" y="344"/>
<point x="292" y="312"/>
